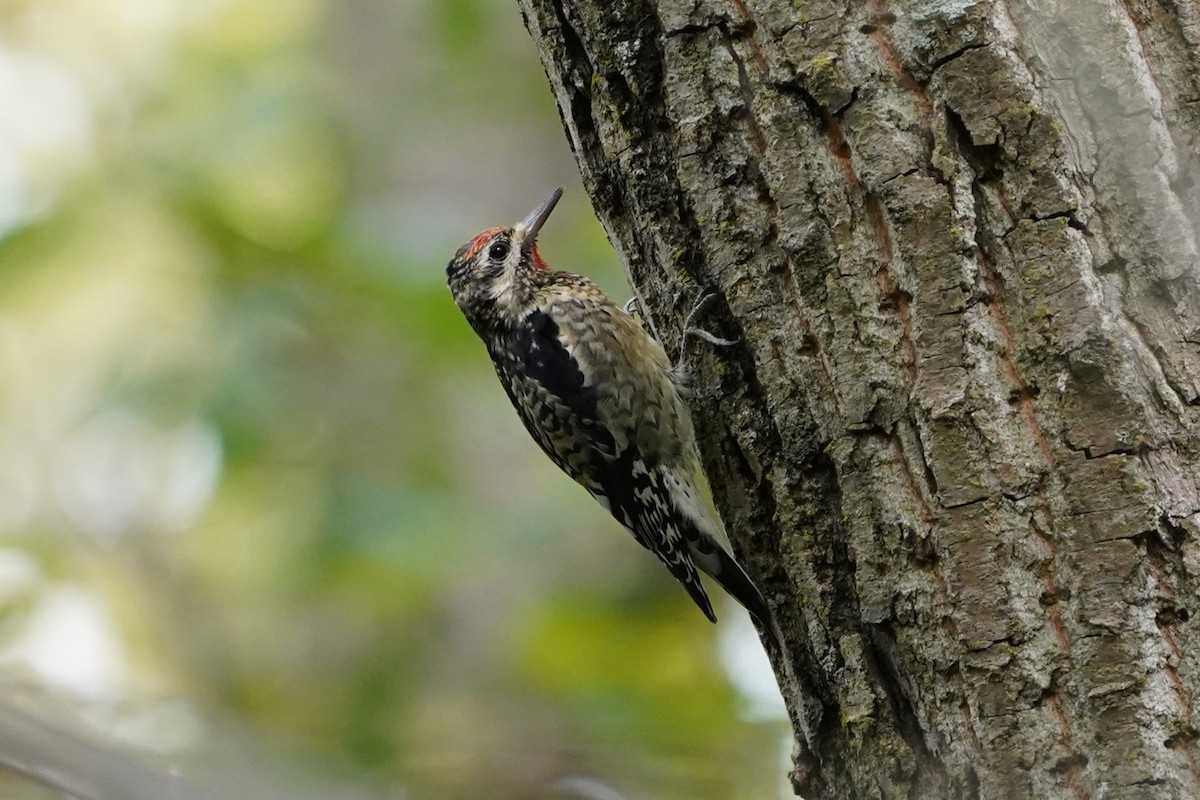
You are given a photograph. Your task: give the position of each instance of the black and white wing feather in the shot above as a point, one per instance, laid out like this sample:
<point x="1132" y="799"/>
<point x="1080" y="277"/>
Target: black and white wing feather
<point x="592" y="402"/>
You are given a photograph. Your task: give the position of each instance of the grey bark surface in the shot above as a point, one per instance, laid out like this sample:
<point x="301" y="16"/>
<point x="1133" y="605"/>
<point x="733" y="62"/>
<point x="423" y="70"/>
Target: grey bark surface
<point x="958" y="443"/>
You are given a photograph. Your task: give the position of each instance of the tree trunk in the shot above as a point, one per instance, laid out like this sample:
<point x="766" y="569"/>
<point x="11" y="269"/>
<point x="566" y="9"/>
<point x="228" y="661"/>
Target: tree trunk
<point x="957" y="441"/>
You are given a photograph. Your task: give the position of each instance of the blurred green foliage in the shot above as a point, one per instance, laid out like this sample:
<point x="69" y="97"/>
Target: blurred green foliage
<point x="244" y="420"/>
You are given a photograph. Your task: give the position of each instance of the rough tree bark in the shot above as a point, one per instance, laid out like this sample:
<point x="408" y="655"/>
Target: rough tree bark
<point x="958" y="441"/>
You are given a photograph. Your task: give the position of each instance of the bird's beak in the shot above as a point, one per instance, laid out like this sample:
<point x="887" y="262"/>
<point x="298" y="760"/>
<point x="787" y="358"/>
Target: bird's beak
<point x="528" y="228"/>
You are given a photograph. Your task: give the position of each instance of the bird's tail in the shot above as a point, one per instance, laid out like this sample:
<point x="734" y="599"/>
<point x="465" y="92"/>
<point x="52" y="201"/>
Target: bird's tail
<point x="734" y="580"/>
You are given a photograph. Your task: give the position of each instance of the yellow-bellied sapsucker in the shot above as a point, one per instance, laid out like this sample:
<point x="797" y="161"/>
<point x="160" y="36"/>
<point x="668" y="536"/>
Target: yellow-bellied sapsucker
<point x="600" y="397"/>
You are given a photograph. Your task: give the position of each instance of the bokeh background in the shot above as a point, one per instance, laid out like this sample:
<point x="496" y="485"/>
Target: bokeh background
<point x="264" y="509"/>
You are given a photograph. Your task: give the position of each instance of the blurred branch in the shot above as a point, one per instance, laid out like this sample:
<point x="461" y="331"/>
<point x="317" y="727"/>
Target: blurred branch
<point x="80" y="766"/>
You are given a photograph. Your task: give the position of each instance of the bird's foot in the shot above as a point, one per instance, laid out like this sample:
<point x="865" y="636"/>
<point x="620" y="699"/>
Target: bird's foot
<point x="699" y="333"/>
<point x="632" y="306"/>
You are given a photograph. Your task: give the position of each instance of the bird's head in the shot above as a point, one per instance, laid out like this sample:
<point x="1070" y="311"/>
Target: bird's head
<point x="491" y="268"/>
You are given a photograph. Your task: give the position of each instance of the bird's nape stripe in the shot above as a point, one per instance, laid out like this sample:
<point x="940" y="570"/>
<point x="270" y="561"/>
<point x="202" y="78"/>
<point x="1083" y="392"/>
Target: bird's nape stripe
<point x="472" y="247"/>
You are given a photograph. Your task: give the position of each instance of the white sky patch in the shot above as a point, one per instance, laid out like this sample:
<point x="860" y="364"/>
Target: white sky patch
<point x="121" y="475"/>
<point x="46" y="132"/>
<point x="190" y="467"/>
<point x="70" y="643"/>
<point x="19" y="573"/>
<point x="748" y="667"/>
<point x="150" y="16"/>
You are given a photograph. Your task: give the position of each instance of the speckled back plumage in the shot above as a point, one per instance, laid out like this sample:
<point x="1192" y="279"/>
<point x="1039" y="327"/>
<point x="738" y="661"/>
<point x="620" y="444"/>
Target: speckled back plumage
<point x="598" y="395"/>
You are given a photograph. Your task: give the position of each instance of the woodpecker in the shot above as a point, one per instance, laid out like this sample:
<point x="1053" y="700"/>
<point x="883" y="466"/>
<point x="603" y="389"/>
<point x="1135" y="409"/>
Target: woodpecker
<point x="600" y="397"/>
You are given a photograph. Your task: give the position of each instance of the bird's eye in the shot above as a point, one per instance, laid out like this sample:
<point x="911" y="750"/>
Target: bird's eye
<point x="498" y="251"/>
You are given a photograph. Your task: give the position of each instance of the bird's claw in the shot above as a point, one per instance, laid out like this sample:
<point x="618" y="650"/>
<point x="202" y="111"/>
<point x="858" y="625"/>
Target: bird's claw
<point x="700" y="333"/>
<point x="716" y="341"/>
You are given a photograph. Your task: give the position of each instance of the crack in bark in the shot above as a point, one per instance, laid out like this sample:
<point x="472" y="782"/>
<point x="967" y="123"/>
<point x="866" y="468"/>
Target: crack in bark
<point x="946" y="59"/>
<point x="910" y="478"/>
<point x="880" y="647"/>
<point x="1161" y="571"/>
